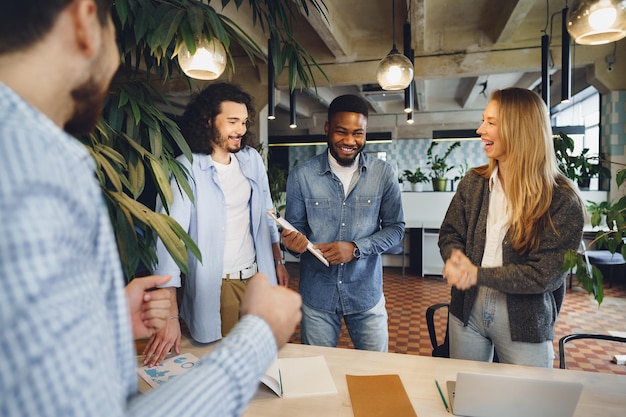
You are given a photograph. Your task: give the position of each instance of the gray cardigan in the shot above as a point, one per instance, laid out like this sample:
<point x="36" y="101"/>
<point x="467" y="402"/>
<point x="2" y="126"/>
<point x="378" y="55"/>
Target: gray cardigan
<point x="533" y="283"/>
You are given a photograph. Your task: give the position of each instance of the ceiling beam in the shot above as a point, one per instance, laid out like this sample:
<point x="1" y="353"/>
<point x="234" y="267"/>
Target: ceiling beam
<point x="472" y="87"/>
<point x="332" y="34"/>
<point x="511" y="15"/>
<point x="450" y="65"/>
<point x="417" y="18"/>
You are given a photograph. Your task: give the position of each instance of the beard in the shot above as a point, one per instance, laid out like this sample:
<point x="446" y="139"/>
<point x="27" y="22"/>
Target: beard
<point x="222" y="141"/>
<point x="88" y="101"/>
<point x="343" y="161"/>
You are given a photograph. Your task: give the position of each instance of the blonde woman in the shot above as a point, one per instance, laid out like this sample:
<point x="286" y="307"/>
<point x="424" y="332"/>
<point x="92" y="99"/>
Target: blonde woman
<point x="504" y="237"/>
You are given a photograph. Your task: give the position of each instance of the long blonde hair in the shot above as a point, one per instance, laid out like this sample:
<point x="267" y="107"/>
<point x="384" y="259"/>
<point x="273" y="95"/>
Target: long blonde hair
<point x="532" y="170"/>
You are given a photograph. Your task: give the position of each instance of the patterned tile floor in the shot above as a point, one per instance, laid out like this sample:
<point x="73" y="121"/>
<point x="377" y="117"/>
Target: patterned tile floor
<point x="407" y="303"/>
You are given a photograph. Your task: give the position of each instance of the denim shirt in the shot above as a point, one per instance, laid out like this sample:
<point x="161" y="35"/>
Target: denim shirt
<point x="205" y="221"/>
<point x="370" y="216"/>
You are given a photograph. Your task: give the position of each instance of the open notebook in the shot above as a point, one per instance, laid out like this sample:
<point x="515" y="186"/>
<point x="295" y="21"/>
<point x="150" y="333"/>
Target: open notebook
<point x="299" y="377"/>
<point x="483" y="395"/>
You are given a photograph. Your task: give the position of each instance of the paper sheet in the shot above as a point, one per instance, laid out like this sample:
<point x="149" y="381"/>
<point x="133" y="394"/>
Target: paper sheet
<point x="286" y="225"/>
<point x="300" y="377"/>
<point x="167" y="370"/>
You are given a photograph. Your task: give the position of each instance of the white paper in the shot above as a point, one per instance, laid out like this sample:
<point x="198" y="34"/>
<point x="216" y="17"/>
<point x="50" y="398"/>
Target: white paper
<point x="169" y="369"/>
<point x="286" y="225"/>
<point x="299" y="377"/>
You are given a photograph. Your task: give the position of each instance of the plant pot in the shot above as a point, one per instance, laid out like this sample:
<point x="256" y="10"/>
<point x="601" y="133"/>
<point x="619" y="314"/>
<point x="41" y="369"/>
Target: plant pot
<point x="440" y="184"/>
<point x="583" y="183"/>
<point x="417" y="186"/>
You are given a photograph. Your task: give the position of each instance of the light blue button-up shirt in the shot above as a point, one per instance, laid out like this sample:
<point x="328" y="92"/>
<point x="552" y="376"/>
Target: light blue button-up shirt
<point x="370" y="215"/>
<point x="205" y="221"/>
<point x="66" y="346"/>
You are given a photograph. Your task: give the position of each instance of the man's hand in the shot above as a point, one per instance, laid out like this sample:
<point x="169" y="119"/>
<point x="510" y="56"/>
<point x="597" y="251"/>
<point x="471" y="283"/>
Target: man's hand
<point x="294" y="241"/>
<point x="278" y="306"/>
<point x="162" y="341"/>
<point x="337" y="252"/>
<point x="148" y="310"/>
<point x="282" y="275"/>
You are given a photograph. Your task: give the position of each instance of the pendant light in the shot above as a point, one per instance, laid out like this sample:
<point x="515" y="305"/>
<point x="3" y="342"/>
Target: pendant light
<point x="408" y="52"/>
<point x="566" y="61"/>
<point x="271" y="97"/>
<point x="595" y="22"/>
<point x="545" y="69"/>
<point x="292" y="109"/>
<point x="394" y="71"/>
<point x="208" y="62"/>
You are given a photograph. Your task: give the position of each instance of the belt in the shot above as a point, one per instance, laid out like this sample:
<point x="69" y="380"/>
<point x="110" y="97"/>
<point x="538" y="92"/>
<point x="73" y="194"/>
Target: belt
<point x="243" y="274"/>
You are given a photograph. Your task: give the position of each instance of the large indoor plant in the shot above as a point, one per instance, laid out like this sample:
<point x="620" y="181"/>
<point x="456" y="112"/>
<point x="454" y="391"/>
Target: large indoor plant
<point x="136" y="142"/>
<point x="611" y="218"/>
<point x="439" y="166"/>
<point x="579" y="168"/>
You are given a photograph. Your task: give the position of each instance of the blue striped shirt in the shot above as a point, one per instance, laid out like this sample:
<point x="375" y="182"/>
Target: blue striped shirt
<point x="66" y="344"/>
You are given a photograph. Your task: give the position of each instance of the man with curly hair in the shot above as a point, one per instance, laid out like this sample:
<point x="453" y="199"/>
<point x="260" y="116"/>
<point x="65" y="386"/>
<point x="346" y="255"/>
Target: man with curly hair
<point x="227" y="219"/>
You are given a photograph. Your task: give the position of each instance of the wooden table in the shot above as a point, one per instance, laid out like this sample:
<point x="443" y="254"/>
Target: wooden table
<point x="603" y="394"/>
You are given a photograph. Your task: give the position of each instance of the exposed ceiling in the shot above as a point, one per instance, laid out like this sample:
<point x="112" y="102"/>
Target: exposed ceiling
<point x="463" y="50"/>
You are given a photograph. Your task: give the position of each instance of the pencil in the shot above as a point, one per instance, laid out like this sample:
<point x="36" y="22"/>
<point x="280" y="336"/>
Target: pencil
<point x="445" y="403"/>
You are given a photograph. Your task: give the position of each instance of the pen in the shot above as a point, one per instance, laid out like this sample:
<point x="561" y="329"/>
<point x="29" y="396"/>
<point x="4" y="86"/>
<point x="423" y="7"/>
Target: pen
<point x="445" y="403"/>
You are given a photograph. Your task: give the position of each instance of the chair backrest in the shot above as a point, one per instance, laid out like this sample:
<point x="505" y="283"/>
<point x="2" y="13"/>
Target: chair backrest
<point x="440" y="350"/>
<point x="595" y="336"/>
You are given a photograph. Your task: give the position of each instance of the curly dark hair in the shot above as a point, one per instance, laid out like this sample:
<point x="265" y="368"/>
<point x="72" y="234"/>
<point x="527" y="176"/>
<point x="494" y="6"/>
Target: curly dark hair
<point x="197" y="123"/>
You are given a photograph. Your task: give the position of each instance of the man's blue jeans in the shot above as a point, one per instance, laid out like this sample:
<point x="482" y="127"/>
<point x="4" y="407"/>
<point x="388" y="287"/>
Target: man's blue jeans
<point x="489" y="327"/>
<point x="368" y="330"/>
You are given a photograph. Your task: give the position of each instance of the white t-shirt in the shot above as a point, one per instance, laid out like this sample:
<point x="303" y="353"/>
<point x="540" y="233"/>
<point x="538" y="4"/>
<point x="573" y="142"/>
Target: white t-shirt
<point x="238" y="246"/>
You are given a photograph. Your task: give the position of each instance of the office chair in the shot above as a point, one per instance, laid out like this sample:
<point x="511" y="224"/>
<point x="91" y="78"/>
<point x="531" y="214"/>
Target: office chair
<point x="595" y="336"/>
<point x="440" y="350"/>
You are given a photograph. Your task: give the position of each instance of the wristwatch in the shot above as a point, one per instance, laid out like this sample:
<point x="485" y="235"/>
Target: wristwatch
<point x="356" y="253"/>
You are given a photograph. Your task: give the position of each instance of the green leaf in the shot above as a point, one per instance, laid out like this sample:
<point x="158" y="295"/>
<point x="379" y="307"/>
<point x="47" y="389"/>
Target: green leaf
<point x="161" y="179"/>
<point x="121" y="8"/>
<point x="621" y="177"/>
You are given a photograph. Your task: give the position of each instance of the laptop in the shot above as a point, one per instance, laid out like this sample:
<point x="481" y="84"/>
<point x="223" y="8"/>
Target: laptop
<point x="483" y="395"/>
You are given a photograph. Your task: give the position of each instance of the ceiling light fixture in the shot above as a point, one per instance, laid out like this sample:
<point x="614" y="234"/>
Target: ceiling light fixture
<point x="207" y="62"/>
<point x="271" y="97"/>
<point x="395" y="71"/>
<point x="566" y="61"/>
<point x="595" y="22"/>
<point x="408" y="52"/>
<point x="545" y="69"/>
<point x="292" y="109"/>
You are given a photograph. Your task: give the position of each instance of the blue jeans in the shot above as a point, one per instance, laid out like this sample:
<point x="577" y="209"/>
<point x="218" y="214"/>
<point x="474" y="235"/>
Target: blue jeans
<point x="488" y="327"/>
<point x="368" y="330"/>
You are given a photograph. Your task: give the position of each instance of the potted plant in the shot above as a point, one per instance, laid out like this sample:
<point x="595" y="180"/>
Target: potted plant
<point x="417" y="177"/>
<point x="578" y="168"/>
<point x="611" y="217"/>
<point x="438" y="165"/>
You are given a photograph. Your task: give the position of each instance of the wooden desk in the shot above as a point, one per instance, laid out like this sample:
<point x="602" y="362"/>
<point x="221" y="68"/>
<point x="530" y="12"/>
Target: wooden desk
<point x="603" y="394"/>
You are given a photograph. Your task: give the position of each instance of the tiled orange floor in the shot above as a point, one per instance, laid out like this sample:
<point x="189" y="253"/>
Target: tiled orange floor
<point x="407" y="303"/>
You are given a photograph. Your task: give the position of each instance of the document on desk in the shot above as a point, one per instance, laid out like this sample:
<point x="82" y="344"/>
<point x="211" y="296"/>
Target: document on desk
<point x="286" y="225"/>
<point x="379" y="396"/>
<point x="168" y="369"/>
<point x="299" y="377"/>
